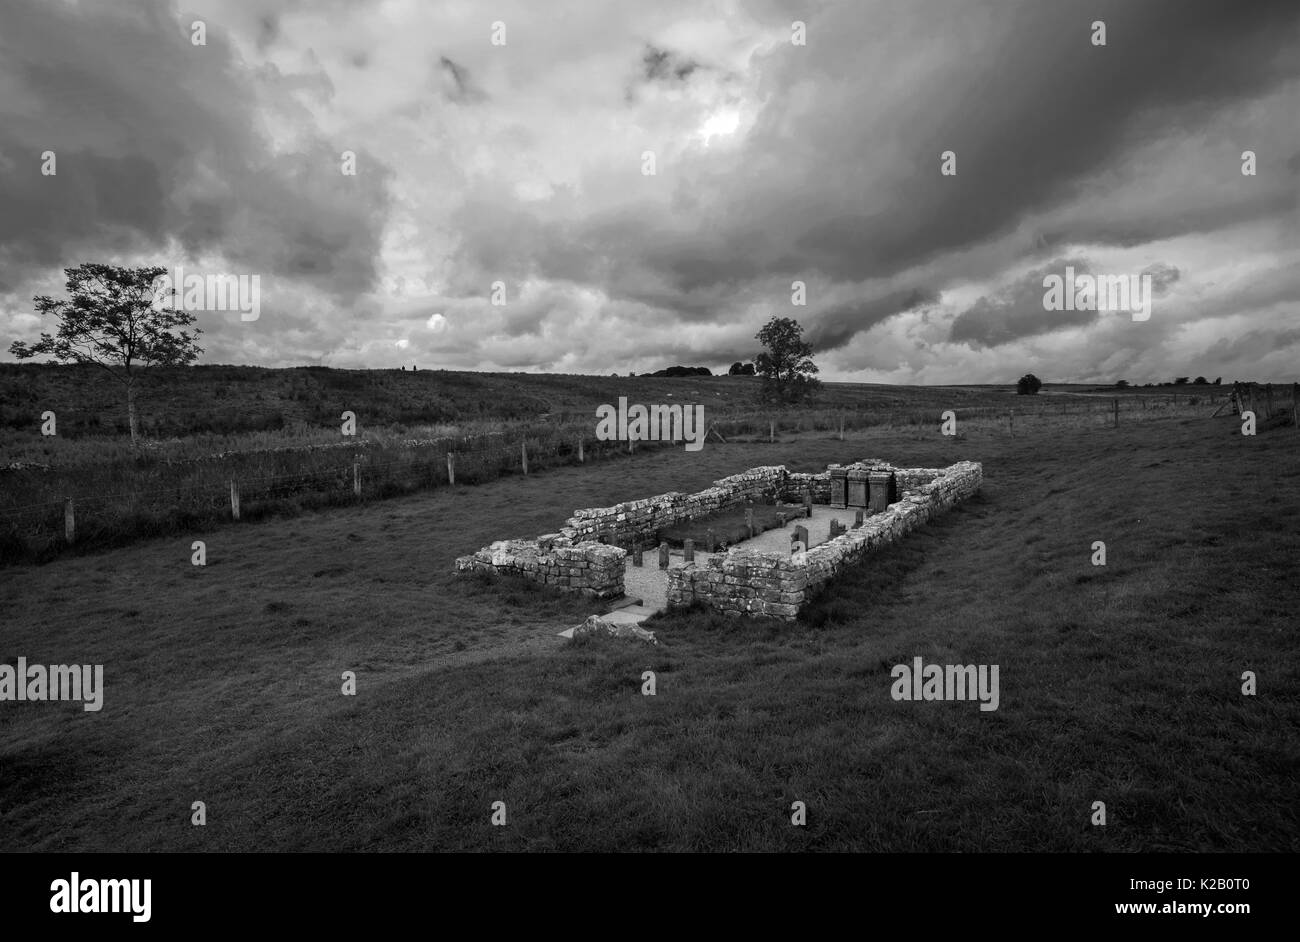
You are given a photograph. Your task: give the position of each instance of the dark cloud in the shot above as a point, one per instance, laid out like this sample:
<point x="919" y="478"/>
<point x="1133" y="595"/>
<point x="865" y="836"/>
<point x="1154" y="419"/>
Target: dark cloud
<point x="836" y="326"/>
<point x="143" y="157"/>
<point x="663" y="65"/>
<point x="1032" y="113"/>
<point x="460" y="87"/>
<point x="1018" y="311"/>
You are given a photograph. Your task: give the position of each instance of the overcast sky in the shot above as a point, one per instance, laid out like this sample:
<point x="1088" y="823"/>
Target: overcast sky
<point x="523" y="163"/>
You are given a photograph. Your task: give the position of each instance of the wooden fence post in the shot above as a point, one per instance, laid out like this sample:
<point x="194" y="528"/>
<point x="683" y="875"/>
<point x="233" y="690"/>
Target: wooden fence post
<point x="523" y="455"/>
<point x="234" y="499"/>
<point x="771" y="432"/>
<point x="841" y="426"/>
<point x="1011" y="421"/>
<point x="580" y="456"/>
<point x="451" y="467"/>
<point x="69" y="523"/>
<point x="356" y="478"/>
<point x="1116" y="412"/>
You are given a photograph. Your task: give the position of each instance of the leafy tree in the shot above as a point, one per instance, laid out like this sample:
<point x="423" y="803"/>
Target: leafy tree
<point x="1028" y="385"/>
<point x="1218" y="380"/>
<point x="1122" y="384"/>
<point x="748" y="370"/>
<point x="736" y="369"/>
<point x="1200" y="381"/>
<point x="1180" y="380"/>
<point x="109" y="319"/>
<point x="786" y="365"/>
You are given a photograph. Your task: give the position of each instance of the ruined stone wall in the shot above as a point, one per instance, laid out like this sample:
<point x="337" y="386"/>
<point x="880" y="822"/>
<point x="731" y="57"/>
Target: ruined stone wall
<point x="742" y="581"/>
<point x="638" y="520"/>
<point x="774" y="585"/>
<point x="590" y="568"/>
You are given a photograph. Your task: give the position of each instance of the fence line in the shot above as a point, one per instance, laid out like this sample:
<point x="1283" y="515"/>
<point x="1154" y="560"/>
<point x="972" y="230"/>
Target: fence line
<point x="419" y="466"/>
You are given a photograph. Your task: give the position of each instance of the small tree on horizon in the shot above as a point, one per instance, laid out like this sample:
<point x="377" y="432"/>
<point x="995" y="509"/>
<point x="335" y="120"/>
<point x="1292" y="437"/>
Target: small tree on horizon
<point x="786" y="365"/>
<point x="109" y="319"/>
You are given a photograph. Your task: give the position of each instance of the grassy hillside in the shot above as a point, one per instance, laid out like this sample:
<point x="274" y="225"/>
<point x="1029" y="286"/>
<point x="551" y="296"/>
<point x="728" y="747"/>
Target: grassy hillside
<point x="229" y="399"/>
<point x="1119" y="684"/>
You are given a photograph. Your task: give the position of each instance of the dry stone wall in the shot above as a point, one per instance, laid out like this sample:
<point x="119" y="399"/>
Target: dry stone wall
<point x="745" y="583"/>
<point x="741" y="582"/>
<point x="638" y="521"/>
<point x="591" y="568"/>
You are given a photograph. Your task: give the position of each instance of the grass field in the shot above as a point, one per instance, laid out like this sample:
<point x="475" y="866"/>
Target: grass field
<point x="278" y="435"/>
<point x="1118" y="684"/>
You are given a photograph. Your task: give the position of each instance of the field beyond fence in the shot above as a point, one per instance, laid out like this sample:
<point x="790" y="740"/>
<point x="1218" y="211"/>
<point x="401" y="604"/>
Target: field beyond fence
<point x="88" y="504"/>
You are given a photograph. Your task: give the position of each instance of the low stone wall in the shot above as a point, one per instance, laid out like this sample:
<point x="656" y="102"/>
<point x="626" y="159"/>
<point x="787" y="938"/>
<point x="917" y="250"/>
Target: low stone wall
<point x="591" y="568"/>
<point x="637" y="521"/>
<point x="747" y="583"/>
<point x="742" y="581"/>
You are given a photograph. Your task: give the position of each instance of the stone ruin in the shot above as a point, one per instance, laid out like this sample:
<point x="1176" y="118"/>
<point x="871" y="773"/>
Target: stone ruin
<point x="889" y="503"/>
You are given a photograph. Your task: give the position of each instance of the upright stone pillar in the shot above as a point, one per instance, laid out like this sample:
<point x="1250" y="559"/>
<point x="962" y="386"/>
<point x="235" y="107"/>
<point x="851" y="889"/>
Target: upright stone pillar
<point x="663" y="555"/>
<point x="859" y="519"/>
<point x="857" y="488"/>
<point x="839" y="487"/>
<point x="883" y="490"/>
<point x="636" y="556"/>
<point x="749" y="520"/>
<point x="688" y="550"/>
<point x="710" y="543"/>
<point x="800" y="536"/>
<point x="807" y="502"/>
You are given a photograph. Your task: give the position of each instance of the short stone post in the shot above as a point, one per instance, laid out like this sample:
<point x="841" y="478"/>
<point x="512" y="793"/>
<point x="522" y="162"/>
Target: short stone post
<point x="580" y="458"/>
<point x="523" y="455"/>
<point x="451" y="467"/>
<point x="356" y="478"/>
<point x="749" y="520"/>
<point x="69" y="524"/>
<point x="234" y="499"/>
<point x="800" y="536"/>
<point x="807" y="502"/>
<point x="688" y="550"/>
<point x="663" y="555"/>
<point x="636" y="556"/>
<point x="859" y="519"/>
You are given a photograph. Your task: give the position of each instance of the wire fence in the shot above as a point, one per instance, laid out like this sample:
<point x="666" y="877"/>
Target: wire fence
<point x="45" y="513"/>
